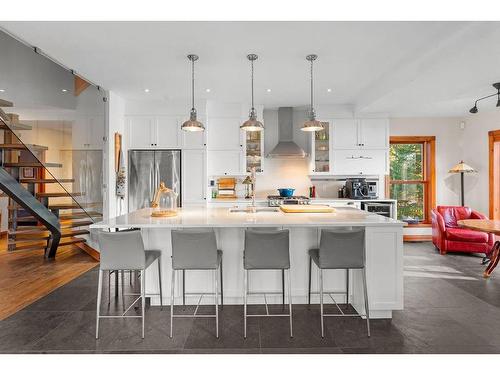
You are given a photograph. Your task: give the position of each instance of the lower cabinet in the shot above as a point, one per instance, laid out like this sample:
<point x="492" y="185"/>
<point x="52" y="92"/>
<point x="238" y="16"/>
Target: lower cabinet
<point x="225" y="162"/>
<point x="194" y="178"/>
<point x="367" y="162"/>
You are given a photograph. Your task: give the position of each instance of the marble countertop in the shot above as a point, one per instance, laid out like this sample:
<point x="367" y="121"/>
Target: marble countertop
<point x="202" y="216"/>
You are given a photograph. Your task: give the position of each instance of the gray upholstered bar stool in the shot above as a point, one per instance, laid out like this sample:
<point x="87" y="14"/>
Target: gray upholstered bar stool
<point x="266" y="250"/>
<point x="124" y="251"/>
<point x="340" y="249"/>
<point x="196" y="250"/>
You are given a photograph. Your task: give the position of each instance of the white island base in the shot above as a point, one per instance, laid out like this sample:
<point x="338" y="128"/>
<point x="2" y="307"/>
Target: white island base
<point x="384" y="258"/>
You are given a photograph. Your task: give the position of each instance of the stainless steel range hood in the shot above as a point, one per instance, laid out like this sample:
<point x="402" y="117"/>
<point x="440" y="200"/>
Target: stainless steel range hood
<point x="286" y="147"/>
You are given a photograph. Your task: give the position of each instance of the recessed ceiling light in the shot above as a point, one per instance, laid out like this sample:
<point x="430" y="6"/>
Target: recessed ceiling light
<point x="146" y="90"/>
<point x="2" y="90"/>
<point x="268" y="90"/>
<point x="329" y="90"/>
<point x="207" y="90"/>
<point x="64" y="90"/>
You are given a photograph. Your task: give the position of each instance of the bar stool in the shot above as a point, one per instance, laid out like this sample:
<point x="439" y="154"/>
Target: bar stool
<point x="195" y="250"/>
<point x="124" y="251"/>
<point x="266" y="250"/>
<point x="340" y="249"/>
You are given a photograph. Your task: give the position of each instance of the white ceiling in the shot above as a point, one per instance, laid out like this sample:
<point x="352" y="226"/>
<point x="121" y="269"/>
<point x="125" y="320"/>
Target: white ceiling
<point x="399" y="68"/>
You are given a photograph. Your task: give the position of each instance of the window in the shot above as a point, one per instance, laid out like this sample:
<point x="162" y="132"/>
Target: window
<point x="412" y="178"/>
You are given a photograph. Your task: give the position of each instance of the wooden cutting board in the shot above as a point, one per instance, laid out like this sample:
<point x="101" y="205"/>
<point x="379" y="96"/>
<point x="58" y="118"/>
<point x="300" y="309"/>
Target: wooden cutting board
<point x="307" y="208"/>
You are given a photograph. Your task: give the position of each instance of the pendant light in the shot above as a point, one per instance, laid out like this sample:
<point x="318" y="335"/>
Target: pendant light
<point x="192" y="125"/>
<point x="312" y="125"/>
<point x="252" y="124"/>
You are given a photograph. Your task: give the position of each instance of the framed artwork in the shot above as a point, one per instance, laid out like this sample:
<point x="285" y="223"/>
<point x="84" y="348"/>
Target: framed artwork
<point x="28" y="173"/>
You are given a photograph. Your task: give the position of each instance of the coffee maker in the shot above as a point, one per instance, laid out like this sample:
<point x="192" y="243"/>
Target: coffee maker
<point x="356" y="188"/>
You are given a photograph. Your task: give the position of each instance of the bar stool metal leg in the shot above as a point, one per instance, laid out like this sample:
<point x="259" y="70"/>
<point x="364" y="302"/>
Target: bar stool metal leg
<point x="309" y="290"/>
<point x="184" y="288"/>
<point x="367" y="310"/>
<point x="290" y="301"/>
<point x="159" y="280"/>
<point x="221" y="286"/>
<point x="245" y="304"/>
<point x="216" y="294"/>
<point x="98" y="308"/>
<point x="172" y="286"/>
<point x="143" y="298"/>
<point x="283" y="286"/>
<point x="347" y="288"/>
<point x="321" y="301"/>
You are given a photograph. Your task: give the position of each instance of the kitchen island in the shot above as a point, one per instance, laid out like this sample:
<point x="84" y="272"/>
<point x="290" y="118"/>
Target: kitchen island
<point x="384" y="254"/>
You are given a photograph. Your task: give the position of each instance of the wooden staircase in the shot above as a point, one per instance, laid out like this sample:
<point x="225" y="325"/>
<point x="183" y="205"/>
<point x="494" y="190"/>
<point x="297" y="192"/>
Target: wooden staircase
<point x="74" y="213"/>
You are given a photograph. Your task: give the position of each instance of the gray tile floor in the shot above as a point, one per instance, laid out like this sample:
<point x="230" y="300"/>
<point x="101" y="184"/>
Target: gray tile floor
<point x="449" y="308"/>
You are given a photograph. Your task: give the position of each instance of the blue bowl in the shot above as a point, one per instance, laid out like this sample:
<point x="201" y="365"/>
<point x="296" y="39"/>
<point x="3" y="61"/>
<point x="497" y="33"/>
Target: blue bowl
<point x="286" y="192"/>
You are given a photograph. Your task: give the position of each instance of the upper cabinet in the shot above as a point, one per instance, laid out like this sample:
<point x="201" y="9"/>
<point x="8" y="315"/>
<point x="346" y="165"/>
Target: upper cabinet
<point x="350" y="147"/>
<point x="87" y="132"/>
<point x="153" y="132"/>
<point x="254" y="151"/>
<point x="225" y="134"/>
<point x="360" y="133"/>
<point x="321" y="151"/>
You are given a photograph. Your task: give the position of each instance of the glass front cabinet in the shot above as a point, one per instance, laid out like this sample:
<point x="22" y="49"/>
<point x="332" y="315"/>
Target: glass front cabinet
<point x="321" y="151"/>
<point x="254" y="151"/>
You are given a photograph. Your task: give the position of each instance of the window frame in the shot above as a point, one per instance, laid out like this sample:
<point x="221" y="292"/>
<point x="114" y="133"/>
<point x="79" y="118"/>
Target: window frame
<point x="429" y="173"/>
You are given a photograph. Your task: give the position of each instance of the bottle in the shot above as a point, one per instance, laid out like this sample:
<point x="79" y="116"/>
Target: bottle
<point x="313" y="191"/>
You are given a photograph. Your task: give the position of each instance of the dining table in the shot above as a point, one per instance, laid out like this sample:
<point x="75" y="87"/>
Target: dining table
<point x="487" y="226"/>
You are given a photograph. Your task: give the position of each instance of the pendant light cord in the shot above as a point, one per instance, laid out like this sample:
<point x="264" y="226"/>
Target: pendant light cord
<point x="251" y="63"/>
<point x="192" y="84"/>
<point x="311" y="85"/>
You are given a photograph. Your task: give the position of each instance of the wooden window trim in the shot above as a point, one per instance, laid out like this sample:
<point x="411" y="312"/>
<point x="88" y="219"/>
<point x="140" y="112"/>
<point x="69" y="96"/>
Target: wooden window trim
<point x="493" y="137"/>
<point x="429" y="179"/>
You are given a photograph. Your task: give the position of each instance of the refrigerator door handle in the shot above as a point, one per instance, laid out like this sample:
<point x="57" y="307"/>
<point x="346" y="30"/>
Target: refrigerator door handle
<point x="157" y="175"/>
<point x="151" y="184"/>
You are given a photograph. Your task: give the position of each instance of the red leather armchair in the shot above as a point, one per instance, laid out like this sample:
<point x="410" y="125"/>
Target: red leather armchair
<point x="448" y="236"/>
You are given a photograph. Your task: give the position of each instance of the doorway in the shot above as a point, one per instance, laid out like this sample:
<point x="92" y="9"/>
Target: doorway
<point x="494" y="173"/>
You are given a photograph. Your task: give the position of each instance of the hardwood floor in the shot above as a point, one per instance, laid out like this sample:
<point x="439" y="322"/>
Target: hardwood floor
<point x="26" y="276"/>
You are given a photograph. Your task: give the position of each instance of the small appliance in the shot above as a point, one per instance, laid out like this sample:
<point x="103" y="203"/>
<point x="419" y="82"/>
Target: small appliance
<point x="276" y="200"/>
<point x="356" y="188"/>
<point x="380" y="208"/>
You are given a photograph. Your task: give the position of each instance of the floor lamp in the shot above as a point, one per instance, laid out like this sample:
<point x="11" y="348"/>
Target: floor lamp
<point x="462" y="168"/>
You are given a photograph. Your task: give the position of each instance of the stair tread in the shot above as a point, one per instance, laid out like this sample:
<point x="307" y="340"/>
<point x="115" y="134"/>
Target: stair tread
<point x="64" y="225"/>
<point x="32" y="165"/>
<point x="45" y="180"/>
<point x="20" y="146"/>
<point x="58" y="194"/>
<point x="68" y="206"/>
<point x="42" y="244"/>
<point x="37" y="236"/>
<point x="5" y="103"/>
<point x="9" y="125"/>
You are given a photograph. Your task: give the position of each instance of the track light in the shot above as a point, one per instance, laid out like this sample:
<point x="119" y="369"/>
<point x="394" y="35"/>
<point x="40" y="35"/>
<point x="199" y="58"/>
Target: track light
<point x="497" y="87"/>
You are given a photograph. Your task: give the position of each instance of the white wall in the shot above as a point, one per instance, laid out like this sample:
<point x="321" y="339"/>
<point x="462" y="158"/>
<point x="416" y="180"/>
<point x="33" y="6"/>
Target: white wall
<point x="475" y="153"/>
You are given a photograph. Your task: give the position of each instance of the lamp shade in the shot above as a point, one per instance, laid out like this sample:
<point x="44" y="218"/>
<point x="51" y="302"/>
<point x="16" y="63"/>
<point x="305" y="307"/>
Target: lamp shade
<point x="462" y="168"/>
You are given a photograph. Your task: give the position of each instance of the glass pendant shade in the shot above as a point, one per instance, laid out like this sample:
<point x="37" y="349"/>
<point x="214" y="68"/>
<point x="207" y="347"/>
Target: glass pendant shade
<point x="252" y="124"/>
<point x="192" y="125"/>
<point x="312" y="125"/>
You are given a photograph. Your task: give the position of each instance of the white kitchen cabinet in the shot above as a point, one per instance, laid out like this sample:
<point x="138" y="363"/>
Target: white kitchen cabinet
<point x="363" y="162"/>
<point x="194" y="179"/>
<point x="166" y="132"/>
<point x="361" y="133"/>
<point x="153" y="132"/>
<point x="225" y="162"/>
<point x="225" y="134"/>
<point x="140" y="131"/>
<point x="373" y="133"/>
<point x="253" y="147"/>
<point x="87" y="132"/>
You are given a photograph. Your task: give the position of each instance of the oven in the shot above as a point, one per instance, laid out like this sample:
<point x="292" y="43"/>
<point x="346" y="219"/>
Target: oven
<point x="380" y="208"/>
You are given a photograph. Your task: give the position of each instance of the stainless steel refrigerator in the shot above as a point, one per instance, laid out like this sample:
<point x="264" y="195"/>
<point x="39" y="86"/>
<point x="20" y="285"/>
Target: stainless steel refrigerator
<point x="146" y="169"/>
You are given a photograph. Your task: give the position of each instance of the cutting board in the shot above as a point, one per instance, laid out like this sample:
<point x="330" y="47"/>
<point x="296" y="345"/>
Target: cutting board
<point x="307" y="208"/>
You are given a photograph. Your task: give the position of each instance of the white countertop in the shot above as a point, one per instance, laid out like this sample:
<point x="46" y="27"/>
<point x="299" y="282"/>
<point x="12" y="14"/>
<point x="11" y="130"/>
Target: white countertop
<point x="313" y="200"/>
<point x="202" y="216"/>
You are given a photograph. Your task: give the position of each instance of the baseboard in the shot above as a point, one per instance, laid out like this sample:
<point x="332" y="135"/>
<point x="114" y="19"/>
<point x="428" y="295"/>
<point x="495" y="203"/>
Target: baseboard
<point x="416" y="238"/>
<point x="90" y="250"/>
